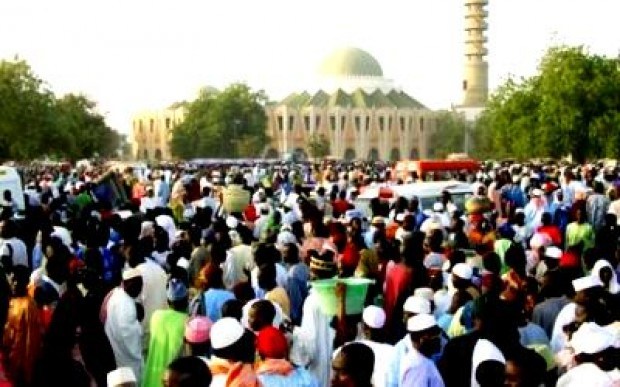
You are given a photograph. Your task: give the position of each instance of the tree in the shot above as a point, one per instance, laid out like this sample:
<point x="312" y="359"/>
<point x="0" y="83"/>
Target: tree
<point x="571" y="107"/>
<point x="88" y="135"/>
<point x="26" y="111"/>
<point x="230" y="123"/>
<point x="34" y="123"/>
<point x="449" y="136"/>
<point x="318" y="146"/>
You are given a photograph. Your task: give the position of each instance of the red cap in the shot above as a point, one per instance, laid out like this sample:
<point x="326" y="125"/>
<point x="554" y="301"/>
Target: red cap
<point x="271" y="343"/>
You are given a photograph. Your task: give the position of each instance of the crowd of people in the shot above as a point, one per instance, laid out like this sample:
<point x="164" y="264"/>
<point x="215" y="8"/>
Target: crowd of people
<point x="174" y="278"/>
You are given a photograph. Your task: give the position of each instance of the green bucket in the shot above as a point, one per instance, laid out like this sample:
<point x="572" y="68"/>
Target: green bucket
<point x="355" y="296"/>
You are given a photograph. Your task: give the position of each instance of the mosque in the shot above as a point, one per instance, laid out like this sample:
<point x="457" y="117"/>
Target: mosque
<point x="361" y="113"/>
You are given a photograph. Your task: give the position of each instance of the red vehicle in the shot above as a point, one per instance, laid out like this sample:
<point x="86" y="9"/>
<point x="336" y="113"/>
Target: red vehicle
<point x="405" y="168"/>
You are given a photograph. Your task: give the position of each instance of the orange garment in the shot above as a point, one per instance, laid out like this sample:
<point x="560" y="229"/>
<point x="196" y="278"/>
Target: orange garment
<point x="390" y="230"/>
<point x="237" y="374"/>
<point x="22" y="339"/>
<point x="275" y="366"/>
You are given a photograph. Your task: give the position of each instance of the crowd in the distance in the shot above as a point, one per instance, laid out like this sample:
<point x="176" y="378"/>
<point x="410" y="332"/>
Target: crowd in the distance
<point x="205" y="279"/>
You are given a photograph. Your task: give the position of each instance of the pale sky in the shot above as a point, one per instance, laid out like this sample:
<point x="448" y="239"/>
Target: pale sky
<point x="131" y="55"/>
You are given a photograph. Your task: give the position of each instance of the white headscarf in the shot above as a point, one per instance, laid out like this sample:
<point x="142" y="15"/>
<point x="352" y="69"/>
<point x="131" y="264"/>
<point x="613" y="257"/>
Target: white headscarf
<point x="614" y="286"/>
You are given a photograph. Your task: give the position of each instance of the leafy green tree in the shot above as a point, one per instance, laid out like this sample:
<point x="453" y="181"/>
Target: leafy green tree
<point x="318" y="146"/>
<point x="449" y="136"/>
<point x="26" y="111"/>
<point x="571" y="107"/>
<point x="34" y="124"/>
<point x="230" y="123"/>
<point x="86" y="133"/>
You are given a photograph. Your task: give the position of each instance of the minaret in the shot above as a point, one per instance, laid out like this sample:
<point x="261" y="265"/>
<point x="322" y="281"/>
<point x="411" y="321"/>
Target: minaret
<point x="476" y="68"/>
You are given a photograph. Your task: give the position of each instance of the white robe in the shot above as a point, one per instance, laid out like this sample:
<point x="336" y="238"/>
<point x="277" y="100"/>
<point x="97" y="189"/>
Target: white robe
<point x="313" y="341"/>
<point x="124" y="330"/>
<point x="153" y="294"/>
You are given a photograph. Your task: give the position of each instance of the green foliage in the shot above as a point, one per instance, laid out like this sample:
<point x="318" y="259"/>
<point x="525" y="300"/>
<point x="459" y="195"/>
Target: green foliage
<point x="230" y="123"/>
<point x="34" y="123"/>
<point x="449" y="136"/>
<point x="571" y="107"/>
<point x="318" y="146"/>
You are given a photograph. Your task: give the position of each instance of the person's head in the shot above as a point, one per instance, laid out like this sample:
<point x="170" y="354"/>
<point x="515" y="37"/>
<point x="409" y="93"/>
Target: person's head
<point x="290" y="253"/>
<point x="7" y="195"/>
<point x="462" y="274"/>
<point x="515" y="258"/>
<point x="213" y="276"/>
<point x="460" y="298"/>
<point x="20" y="277"/>
<point x="132" y="282"/>
<point x="261" y="315"/>
<point x="524" y="368"/>
<point x="244" y="292"/>
<point x="353" y="366"/>
<point x="230" y="341"/>
<point x="373" y="320"/>
<point x="322" y="266"/>
<point x="8" y="229"/>
<point x="233" y="308"/>
<point x="271" y="343"/>
<point x="197" y="330"/>
<point x="187" y="371"/>
<point x="177" y="295"/>
<point x="492" y="262"/>
<point x="424" y="333"/>
<point x="490" y="373"/>
<point x="134" y="253"/>
<point x="552" y="257"/>
<point x="580" y="215"/>
<point x="415" y="305"/>
<point x="267" y="276"/>
<point x="122" y="377"/>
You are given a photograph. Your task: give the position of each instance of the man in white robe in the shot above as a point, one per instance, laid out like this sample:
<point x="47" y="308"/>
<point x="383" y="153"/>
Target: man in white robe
<point x="121" y="324"/>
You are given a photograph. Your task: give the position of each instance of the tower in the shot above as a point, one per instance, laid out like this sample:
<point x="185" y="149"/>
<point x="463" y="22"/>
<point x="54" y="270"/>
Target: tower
<point x="476" y="68"/>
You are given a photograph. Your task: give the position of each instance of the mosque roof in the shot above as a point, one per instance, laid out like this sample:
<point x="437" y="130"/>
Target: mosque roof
<point x="357" y="99"/>
<point x="350" y="61"/>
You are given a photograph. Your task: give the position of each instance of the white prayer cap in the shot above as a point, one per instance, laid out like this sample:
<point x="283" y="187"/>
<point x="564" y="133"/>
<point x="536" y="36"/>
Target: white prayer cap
<point x="426" y="293"/>
<point x="131" y="273"/>
<point x="421" y="322"/>
<point x="121" y="376"/>
<point x="537" y="192"/>
<point x="64" y="235"/>
<point x="183" y="263"/>
<point x="438" y="207"/>
<point x="553" y="252"/>
<point x="374" y="316"/>
<point x="515" y="179"/>
<point x="225" y="332"/>
<point x="232" y="222"/>
<point x="591" y="338"/>
<point x="417" y="305"/>
<point x="124" y="214"/>
<point x="519" y="211"/>
<point x="463" y="270"/>
<point x="400" y="217"/>
<point x="586" y="282"/>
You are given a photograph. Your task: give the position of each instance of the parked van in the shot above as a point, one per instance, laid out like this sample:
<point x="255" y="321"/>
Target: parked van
<point x="428" y="193"/>
<point x="10" y="180"/>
